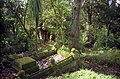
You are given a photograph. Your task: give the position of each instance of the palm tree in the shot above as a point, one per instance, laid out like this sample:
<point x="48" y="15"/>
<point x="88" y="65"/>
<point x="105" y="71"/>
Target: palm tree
<point x="35" y="9"/>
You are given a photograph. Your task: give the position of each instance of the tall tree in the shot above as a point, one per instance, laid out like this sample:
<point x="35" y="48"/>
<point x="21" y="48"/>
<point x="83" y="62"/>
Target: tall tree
<point x="35" y="8"/>
<point x="75" y="25"/>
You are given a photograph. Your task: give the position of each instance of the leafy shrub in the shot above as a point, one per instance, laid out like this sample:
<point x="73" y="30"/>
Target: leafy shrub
<point x="101" y="35"/>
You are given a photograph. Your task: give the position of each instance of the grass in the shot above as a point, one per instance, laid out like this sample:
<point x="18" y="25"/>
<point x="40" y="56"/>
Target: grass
<point x="84" y="74"/>
<point x="111" y="57"/>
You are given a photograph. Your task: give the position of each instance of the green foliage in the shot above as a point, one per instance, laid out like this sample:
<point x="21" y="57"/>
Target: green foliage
<point x="111" y="57"/>
<point x="57" y="18"/>
<point x="35" y="7"/>
<point x="101" y="35"/>
<point x="82" y="64"/>
<point x="84" y="74"/>
<point x="82" y="41"/>
<point x="103" y="41"/>
<point x="31" y="45"/>
<point x="13" y="31"/>
<point x="53" y="47"/>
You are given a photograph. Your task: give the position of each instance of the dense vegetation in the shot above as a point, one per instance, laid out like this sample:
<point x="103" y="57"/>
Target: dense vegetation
<point x="87" y="30"/>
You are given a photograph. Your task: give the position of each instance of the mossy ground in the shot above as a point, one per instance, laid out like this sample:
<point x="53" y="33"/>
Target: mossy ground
<point x="84" y="74"/>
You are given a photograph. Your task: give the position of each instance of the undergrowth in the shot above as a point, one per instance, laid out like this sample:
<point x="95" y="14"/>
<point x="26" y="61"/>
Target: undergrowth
<point x="84" y="74"/>
<point x="110" y="57"/>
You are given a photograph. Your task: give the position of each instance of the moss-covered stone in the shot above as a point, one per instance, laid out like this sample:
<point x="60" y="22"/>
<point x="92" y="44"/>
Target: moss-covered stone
<point x="41" y="55"/>
<point x="25" y="62"/>
<point x="52" y="61"/>
<point x="32" y="69"/>
<point x="54" y="68"/>
<point x="72" y="66"/>
<point x="64" y="51"/>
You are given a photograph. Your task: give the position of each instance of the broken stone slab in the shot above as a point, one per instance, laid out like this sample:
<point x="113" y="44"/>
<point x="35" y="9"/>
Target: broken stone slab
<point x="52" y="68"/>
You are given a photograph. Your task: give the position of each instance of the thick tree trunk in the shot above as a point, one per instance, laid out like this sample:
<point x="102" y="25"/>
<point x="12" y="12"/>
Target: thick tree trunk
<point x="75" y="26"/>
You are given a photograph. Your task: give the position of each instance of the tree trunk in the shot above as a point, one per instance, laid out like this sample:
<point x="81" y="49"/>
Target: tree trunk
<point x="37" y="19"/>
<point x="90" y="14"/>
<point x="107" y="35"/>
<point x="75" y="26"/>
